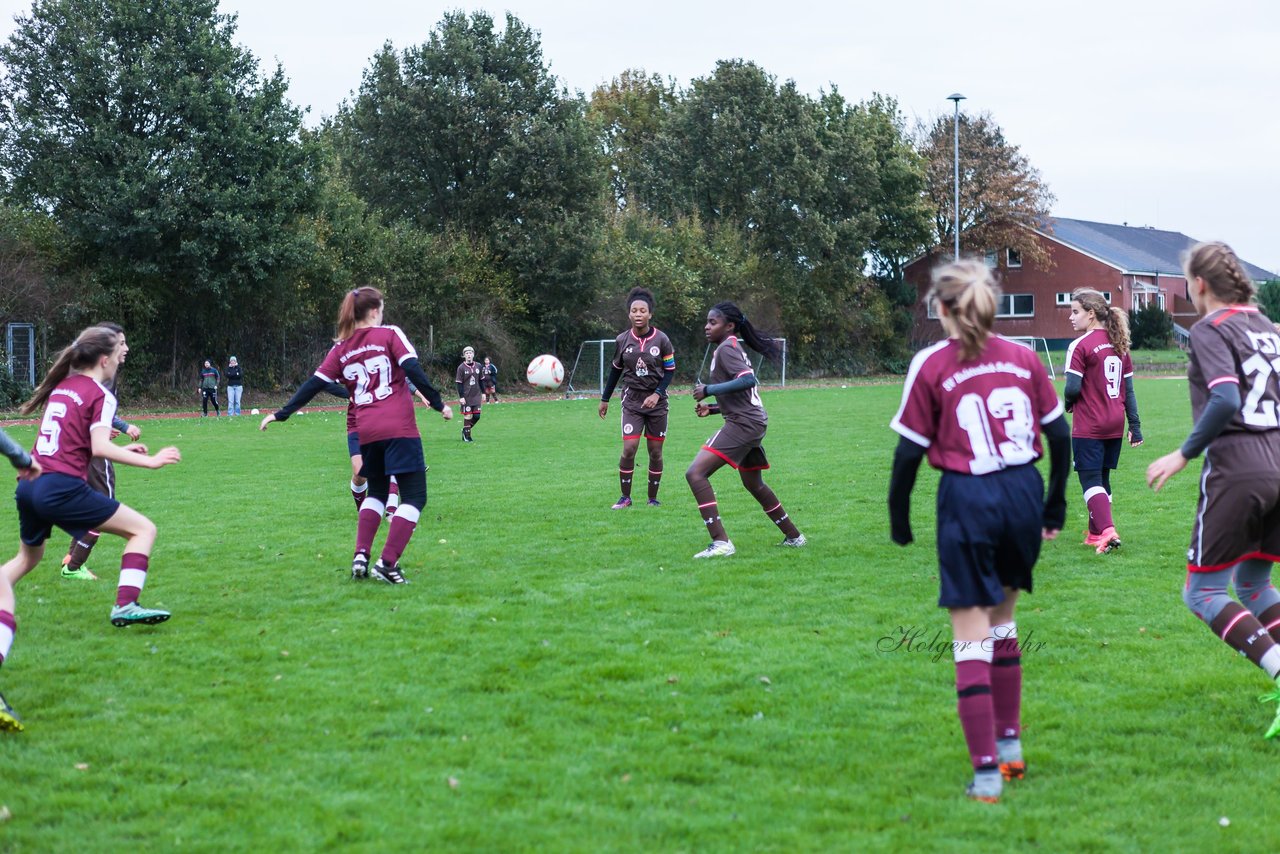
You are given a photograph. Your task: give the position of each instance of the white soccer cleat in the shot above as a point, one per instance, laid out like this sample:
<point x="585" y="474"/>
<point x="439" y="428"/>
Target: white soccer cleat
<point x="795" y="542"/>
<point x="718" y="548"/>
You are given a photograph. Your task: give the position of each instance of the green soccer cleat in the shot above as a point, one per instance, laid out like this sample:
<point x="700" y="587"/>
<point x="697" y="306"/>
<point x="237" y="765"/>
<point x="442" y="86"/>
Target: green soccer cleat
<point x="9" y="720"/>
<point x="79" y="574"/>
<point x="1273" y="697"/>
<point x="134" y="614"/>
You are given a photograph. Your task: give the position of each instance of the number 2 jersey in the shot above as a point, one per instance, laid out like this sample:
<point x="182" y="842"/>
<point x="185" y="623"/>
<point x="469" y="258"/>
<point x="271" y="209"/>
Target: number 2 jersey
<point x="77" y="406"/>
<point x="980" y="415"/>
<point x="1237" y="344"/>
<point x="369" y="365"/>
<point x="1099" y="411"/>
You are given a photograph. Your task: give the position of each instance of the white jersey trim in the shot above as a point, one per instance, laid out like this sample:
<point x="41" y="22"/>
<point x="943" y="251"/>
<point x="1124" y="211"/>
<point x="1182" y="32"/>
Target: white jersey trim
<point x="917" y="362"/>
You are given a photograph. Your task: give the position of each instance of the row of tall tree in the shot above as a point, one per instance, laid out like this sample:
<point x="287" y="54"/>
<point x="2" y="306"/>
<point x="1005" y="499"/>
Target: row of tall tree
<point x="154" y="174"/>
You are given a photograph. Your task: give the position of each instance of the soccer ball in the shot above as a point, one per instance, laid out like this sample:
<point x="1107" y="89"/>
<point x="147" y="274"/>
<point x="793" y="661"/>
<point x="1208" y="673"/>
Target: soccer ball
<point x="253" y="412"/>
<point x="545" y="372"/>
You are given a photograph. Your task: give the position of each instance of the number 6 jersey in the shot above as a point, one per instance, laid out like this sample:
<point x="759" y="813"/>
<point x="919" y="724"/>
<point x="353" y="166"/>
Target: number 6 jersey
<point x="1099" y="411"/>
<point x="368" y="364"/>
<point x="981" y="415"/>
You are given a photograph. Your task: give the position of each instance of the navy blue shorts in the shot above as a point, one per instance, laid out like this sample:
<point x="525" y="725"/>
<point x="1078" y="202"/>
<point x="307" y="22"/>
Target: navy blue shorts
<point x="392" y="456"/>
<point x="62" y="500"/>
<point x="353" y="444"/>
<point x="1096" y="454"/>
<point x="989" y="534"/>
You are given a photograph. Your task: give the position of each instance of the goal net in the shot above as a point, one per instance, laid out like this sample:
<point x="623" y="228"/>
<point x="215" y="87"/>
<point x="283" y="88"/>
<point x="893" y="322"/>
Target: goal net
<point x="590" y="368"/>
<point x="1040" y="347"/>
<point x="772" y="373"/>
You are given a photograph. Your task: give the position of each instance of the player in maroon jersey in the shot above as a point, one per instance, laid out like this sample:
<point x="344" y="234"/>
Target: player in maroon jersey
<point x="28" y="469"/>
<point x="739" y="442"/>
<point x="1100" y="397"/>
<point x="1235" y="403"/>
<point x="373" y="361"/>
<point x="76" y="427"/>
<point x="976" y="403"/>
<point x="468" y="379"/>
<point x="645" y="361"/>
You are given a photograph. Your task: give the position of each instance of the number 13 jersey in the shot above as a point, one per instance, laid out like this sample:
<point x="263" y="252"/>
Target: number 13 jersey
<point x="980" y="415"/>
<point x="1099" y="411"/>
<point x="368" y="364"/>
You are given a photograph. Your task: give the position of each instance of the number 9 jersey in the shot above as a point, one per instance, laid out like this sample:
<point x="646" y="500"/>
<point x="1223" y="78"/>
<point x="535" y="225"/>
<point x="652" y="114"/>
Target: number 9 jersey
<point x="981" y="415"/>
<point x="369" y="365"/>
<point x="1099" y="411"/>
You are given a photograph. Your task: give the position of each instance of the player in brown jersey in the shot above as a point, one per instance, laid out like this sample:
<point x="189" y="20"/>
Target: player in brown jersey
<point x="739" y="442"/>
<point x="977" y="404"/>
<point x="645" y="361"/>
<point x="469" y="379"/>
<point x="1100" y="397"/>
<point x="1235" y="402"/>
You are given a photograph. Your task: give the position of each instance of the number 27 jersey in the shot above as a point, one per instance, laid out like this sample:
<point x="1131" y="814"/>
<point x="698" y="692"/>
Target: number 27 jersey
<point x="980" y="415"/>
<point x="368" y="364"/>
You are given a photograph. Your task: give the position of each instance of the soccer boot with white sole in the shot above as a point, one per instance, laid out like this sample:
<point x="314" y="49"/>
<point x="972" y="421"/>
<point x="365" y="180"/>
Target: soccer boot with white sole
<point x="718" y="548"/>
<point x="798" y="541"/>
<point x="360" y="567"/>
<point x="134" y="614"/>
<point x="389" y="574"/>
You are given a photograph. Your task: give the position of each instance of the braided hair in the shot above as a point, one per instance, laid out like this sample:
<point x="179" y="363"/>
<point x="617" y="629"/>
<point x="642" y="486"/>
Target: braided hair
<point x="969" y="292"/>
<point x="1114" y="320"/>
<point x="1219" y="266"/>
<point x="765" y="345"/>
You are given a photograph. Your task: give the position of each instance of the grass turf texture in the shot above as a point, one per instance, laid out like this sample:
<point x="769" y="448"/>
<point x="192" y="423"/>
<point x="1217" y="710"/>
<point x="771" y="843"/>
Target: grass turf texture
<point x="560" y="675"/>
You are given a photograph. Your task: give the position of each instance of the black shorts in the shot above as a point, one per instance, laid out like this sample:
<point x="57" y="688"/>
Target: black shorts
<point x="989" y="534"/>
<point x="638" y="421"/>
<point x="470" y="409"/>
<point x="353" y="444"/>
<point x="392" y="456"/>
<point x="1238" y="513"/>
<point x="740" y="445"/>
<point x="62" y="500"/>
<point x="1096" y="454"/>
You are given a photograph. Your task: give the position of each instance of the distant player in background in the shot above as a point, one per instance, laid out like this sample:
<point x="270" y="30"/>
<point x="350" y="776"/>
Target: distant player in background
<point x="235" y="385"/>
<point x="101" y="477"/>
<point x="1235" y="402"/>
<point x="645" y="361"/>
<point x="208" y="389"/>
<point x="739" y="441"/>
<point x="489" y="381"/>
<point x="373" y="361"/>
<point x="28" y="469"/>
<point x="76" y="427"/>
<point x="1100" y="397"/>
<point x="977" y="403"/>
<point x="468" y="378"/>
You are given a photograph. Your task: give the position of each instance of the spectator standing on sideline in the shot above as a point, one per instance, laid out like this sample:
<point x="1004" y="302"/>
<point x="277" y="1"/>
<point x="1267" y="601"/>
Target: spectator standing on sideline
<point x="235" y="386"/>
<point x="208" y="389"/>
<point x="489" y="382"/>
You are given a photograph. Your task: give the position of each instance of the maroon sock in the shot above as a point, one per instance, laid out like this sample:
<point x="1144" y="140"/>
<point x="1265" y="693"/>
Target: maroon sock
<point x="1241" y="631"/>
<point x="709" y="509"/>
<point x="367" y="527"/>
<point x="1099" y="504"/>
<point x="8" y="622"/>
<point x="398" y="534"/>
<point x="655" y="480"/>
<point x="133" y="574"/>
<point x="977" y="717"/>
<point x="624" y="479"/>
<point x="1270" y="620"/>
<point x="1006" y="685"/>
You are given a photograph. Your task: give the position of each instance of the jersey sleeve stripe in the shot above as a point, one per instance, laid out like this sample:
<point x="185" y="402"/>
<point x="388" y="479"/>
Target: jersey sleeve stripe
<point x="1077" y="373"/>
<point x="1221" y="380"/>
<point x="1054" y="414"/>
<point x="907" y="433"/>
<point x="326" y="379"/>
<point x="743" y="373"/>
<point x="404" y="339"/>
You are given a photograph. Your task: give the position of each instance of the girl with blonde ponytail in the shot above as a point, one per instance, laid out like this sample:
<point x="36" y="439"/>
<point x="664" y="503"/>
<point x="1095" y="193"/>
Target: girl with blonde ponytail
<point x="976" y="403"/>
<point x="1100" y="397"/>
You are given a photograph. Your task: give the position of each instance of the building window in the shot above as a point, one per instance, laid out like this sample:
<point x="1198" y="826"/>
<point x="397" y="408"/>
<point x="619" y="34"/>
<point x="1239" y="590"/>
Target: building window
<point x="1064" y="298"/>
<point x="991" y="258"/>
<point x="1012" y="258"/>
<point x="931" y="308"/>
<point x="1016" y="305"/>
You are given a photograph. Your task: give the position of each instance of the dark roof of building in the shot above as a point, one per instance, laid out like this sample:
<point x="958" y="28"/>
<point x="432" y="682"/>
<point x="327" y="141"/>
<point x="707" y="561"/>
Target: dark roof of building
<point x="1134" y="249"/>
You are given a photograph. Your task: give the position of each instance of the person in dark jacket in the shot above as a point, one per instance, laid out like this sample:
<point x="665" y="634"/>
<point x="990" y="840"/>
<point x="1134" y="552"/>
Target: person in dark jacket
<point x="208" y="389"/>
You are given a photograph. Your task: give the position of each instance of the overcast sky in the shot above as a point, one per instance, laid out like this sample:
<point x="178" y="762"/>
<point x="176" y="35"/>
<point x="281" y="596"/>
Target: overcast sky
<point x="1151" y="113"/>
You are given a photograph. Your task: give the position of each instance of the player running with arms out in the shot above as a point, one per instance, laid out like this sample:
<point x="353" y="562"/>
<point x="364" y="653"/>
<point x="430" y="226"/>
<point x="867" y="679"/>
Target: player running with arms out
<point x="1100" y="397"/>
<point x="76" y="427"/>
<point x="372" y="361"/>
<point x="977" y="403"/>
<point x="469" y="378"/>
<point x="645" y="361"/>
<point x="1235" y="403"/>
<point x="739" y="441"/>
<point x="28" y="469"/>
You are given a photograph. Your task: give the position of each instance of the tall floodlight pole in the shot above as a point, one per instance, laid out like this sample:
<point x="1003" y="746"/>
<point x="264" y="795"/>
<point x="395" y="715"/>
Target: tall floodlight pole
<point x="956" y="98"/>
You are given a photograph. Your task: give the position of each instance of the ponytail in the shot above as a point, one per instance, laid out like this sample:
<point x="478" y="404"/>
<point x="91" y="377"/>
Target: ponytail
<point x="1113" y="319"/>
<point x="90" y="346"/>
<point x="969" y="292"/>
<point x="765" y="345"/>
<point x="356" y="306"/>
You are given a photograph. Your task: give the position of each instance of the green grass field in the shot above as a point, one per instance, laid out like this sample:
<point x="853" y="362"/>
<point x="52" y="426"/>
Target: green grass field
<point x="562" y="676"/>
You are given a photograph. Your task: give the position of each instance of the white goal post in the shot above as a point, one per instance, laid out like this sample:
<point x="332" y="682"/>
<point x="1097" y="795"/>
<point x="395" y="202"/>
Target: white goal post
<point x="590" y="368"/>
<point x="1037" y="345"/>
<point x="760" y="362"/>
